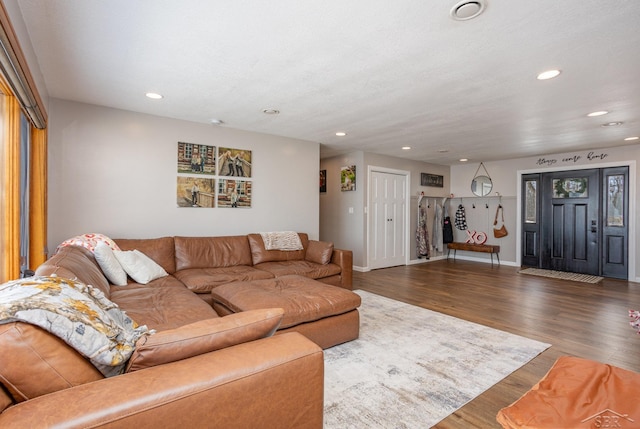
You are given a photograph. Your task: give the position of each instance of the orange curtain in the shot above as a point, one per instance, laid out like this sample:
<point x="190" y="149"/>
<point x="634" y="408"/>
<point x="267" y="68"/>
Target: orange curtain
<point x="38" y="199"/>
<point x="10" y="221"/>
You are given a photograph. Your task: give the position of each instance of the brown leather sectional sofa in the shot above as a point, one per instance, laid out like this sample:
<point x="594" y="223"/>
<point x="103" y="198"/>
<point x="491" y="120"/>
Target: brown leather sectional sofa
<point x="200" y="369"/>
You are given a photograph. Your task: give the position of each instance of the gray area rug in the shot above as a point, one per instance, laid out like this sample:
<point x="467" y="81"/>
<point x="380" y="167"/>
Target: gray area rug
<point x="412" y="367"/>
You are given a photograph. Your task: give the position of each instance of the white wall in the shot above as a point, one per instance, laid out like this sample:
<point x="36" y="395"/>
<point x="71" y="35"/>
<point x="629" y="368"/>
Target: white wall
<point x="506" y="179"/>
<point x="114" y="172"/>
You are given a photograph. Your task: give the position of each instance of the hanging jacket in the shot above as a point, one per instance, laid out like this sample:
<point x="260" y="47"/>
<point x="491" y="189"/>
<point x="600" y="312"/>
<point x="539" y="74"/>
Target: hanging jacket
<point x="461" y="218"/>
<point x="447" y="231"/>
<point x="422" y="235"/>
<point x="436" y="242"/>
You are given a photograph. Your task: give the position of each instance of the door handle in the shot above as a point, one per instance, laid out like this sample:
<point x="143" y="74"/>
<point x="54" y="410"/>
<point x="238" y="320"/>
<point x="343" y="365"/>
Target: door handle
<point x="594" y="228"/>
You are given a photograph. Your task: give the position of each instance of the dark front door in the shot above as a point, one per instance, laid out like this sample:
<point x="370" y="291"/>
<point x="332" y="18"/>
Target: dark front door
<point x="577" y="221"/>
<point x="571" y="221"/>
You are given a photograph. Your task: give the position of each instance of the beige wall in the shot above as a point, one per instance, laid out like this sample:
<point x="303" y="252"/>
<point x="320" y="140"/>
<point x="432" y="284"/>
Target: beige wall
<point x="114" y="172"/>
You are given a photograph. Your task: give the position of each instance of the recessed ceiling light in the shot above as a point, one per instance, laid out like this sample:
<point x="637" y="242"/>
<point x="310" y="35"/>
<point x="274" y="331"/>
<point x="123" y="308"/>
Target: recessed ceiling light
<point x="406" y="147"/>
<point x="611" y="124"/>
<point x="341" y="134"/>
<point x="463" y="160"/>
<point x="270" y="111"/>
<point x="598" y="113"/>
<point x="217" y="122"/>
<point x="154" y="95"/>
<point x="443" y="151"/>
<point x="549" y="74"/>
<point x="632" y="138"/>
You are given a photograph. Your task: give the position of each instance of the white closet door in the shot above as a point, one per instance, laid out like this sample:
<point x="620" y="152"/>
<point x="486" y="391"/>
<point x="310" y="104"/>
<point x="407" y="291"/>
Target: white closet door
<point x="387" y="246"/>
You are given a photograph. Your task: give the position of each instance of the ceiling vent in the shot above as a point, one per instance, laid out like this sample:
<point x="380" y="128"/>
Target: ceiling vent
<point x="465" y="10"/>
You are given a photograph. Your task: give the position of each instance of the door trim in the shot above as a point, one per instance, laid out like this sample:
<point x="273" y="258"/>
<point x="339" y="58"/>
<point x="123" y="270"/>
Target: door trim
<point x="407" y="174"/>
<point x="632" y="275"/>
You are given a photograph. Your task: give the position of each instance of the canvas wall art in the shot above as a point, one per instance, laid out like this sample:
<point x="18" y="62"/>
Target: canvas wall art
<point x="196" y="158"/>
<point x="195" y="192"/>
<point x="348" y="178"/>
<point x="234" y="162"/>
<point x="234" y="193"/>
<point x="323" y="180"/>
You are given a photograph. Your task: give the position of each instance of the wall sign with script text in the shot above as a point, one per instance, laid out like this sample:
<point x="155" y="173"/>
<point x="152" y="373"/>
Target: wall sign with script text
<point x="434" y="180"/>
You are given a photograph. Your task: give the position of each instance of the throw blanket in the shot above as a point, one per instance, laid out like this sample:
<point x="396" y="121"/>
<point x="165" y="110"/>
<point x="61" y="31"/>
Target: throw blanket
<point x="78" y="314"/>
<point x="285" y="240"/>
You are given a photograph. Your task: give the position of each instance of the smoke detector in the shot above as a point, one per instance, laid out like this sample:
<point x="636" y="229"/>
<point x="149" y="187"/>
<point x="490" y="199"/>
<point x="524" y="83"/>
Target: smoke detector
<point x="466" y="9"/>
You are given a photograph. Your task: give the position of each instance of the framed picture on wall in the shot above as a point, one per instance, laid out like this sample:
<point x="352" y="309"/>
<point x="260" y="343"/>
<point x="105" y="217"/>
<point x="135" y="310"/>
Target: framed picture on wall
<point x="323" y="180"/>
<point x="348" y="178"/>
<point x="433" y="180"/>
<point x="195" y="192"/>
<point x="234" y="193"/>
<point x="234" y="162"/>
<point x="196" y="158"/>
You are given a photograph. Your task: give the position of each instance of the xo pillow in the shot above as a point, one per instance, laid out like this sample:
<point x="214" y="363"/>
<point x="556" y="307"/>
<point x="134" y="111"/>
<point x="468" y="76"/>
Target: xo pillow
<point x="141" y="268"/>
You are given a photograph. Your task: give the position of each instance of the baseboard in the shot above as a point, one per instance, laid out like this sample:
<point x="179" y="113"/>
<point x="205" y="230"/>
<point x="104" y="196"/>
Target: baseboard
<point x="423" y="261"/>
<point x="441" y="257"/>
<point x="485" y="260"/>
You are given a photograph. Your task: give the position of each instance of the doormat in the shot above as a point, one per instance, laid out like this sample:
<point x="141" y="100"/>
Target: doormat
<point x="586" y="278"/>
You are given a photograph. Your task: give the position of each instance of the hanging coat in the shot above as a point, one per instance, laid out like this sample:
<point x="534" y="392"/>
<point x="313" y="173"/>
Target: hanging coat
<point x="422" y="235"/>
<point x="461" y="218"/>
<point x="437" y="229"/>
<point x="447" y="227"/>
<point x="447" y="231"/>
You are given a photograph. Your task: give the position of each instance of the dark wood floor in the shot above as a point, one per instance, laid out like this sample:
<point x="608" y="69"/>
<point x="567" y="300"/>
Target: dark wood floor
<point x="578" y="319"/>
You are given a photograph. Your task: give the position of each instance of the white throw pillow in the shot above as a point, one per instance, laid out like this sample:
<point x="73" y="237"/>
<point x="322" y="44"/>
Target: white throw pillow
<point x="139" y="266"/>
<point x="109" y="264"/>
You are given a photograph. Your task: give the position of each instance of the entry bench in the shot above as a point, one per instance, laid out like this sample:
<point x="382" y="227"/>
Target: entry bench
<point x="472" y="247"/>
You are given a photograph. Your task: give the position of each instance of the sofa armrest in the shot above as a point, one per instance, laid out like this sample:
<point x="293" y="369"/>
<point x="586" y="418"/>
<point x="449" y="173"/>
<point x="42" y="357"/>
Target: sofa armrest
<point x="276" y="382"/>
<point x="344" y="258"/>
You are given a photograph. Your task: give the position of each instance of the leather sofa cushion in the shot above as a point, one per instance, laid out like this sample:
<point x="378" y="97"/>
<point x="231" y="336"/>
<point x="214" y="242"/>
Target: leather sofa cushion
<point x="203" y="337"/>
<point x="319" y="252"/>
<point x="76" y="263"/>
<point x="301" y="268"/>
<point x="203" y="280"/>
<point x="161" y="250"/>
<point x="259" y="254"/>
<point x="212" y="252"/>
<point x="303" y="299"/>
<point x="34" y="362"/>
<point x="162" y="307"/>
<point x="5" y="400"/>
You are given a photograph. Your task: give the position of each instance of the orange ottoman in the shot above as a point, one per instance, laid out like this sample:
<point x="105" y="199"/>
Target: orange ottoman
<point x="327" y="315"/>
<point x="578" y="393"/>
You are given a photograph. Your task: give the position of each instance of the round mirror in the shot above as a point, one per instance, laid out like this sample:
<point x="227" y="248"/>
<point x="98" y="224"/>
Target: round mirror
<point x="481" y="186"/>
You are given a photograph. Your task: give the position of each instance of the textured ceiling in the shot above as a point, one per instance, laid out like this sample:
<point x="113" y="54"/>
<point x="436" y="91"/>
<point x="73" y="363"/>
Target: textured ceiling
<point x="389" y="73"/>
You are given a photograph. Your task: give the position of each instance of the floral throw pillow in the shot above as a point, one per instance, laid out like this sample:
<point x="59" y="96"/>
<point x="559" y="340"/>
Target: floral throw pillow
<point x="89" y="241"/>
